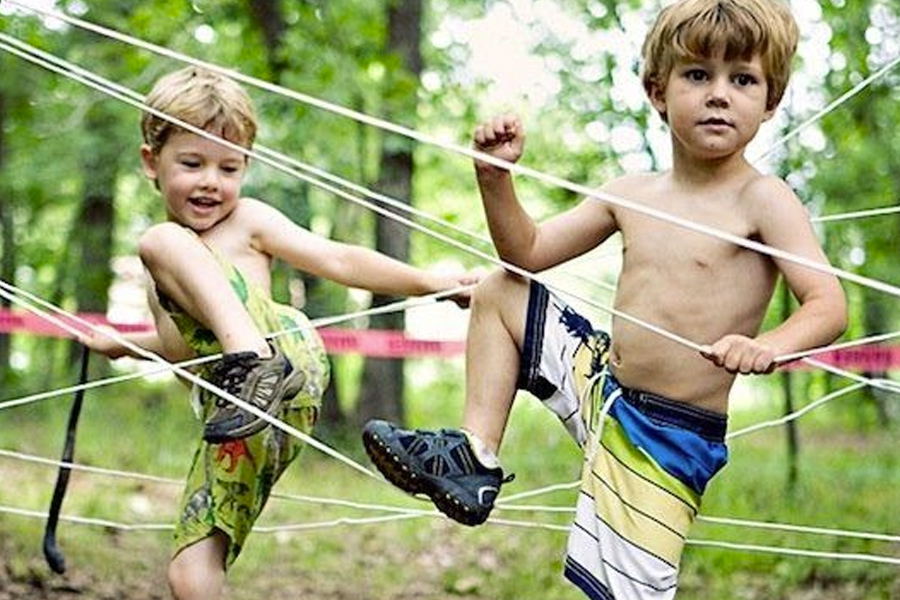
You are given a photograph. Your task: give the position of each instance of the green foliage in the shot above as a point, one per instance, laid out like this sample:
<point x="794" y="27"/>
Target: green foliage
<point x="335" y="51"/>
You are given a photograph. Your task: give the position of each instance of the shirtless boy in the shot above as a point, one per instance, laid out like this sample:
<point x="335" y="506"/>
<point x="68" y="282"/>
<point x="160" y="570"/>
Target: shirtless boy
<point x="714" y="70"/>
<point x="210" y="265"/>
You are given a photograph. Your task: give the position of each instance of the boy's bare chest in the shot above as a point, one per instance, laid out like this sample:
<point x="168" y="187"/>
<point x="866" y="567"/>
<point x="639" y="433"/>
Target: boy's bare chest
<point x="237" y="249"/>
<point x="653" y="242"/>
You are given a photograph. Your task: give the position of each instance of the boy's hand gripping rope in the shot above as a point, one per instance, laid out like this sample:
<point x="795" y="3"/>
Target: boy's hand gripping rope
<point x="52" y="552"/>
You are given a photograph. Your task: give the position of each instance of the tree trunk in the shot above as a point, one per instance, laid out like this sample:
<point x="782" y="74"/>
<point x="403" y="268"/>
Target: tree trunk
<point x="876" y="321"/>
<point x="7" y="249"/>
<point x="93" y="244"/>
<point x="381" y="393"/>
<point x="269" y="18"/>
<point x="793" y="442"/>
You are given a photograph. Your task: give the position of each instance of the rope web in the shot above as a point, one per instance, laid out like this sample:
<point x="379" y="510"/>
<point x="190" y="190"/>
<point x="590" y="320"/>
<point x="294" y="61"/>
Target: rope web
<point x="377" y="202"/>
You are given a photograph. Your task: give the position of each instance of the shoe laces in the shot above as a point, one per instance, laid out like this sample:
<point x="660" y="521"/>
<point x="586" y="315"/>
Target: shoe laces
<point x="231" y="373"/>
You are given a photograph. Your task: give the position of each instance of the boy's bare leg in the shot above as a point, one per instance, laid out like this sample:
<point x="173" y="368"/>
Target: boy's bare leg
<point x="198" y="571"/>
<point x="187" y="272"/>
<point x="495" y="338"/>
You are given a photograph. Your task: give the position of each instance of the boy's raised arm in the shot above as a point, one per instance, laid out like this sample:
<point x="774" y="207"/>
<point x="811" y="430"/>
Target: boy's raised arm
<point x="518" y="238"/>
<point x="512" y="229"/>
<point x="348" y="264"/>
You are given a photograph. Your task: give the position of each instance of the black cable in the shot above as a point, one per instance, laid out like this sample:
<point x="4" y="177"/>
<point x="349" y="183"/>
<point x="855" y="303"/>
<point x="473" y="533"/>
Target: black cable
<point x="52" y="552"/>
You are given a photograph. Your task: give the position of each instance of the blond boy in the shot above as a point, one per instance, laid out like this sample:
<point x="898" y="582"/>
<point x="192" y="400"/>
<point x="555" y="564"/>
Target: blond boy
<point x="210" y="266"/>
<point x="650" y="412"/>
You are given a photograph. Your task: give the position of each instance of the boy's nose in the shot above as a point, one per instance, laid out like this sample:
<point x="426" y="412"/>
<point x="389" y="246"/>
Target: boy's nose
<point x="718" y="94"/>
<point x="209" y="179"/>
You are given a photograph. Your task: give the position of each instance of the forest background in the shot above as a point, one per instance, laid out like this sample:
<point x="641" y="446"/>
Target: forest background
<point x="73" y="201"/>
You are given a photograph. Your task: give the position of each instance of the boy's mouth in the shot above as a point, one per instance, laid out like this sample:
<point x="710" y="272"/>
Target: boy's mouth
<point x="716" y="122"/>
<point x="203" y="202"/>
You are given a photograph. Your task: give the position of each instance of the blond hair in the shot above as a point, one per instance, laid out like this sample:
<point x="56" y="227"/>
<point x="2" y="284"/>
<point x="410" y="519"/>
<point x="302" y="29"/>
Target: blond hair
<point x="692" y="29"/>
<point x="203" y="99"/>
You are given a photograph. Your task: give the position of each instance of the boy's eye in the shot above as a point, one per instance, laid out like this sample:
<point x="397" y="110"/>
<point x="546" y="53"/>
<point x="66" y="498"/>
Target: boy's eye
<point x="695" y="75"/>
<point x="744" y="79"/>
<point x="192" y="164"/>
<point x="230" y="169"/>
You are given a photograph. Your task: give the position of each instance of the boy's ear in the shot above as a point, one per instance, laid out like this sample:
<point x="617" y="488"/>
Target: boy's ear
<point x="657" y="95"/>
<point x="149" y="161"/>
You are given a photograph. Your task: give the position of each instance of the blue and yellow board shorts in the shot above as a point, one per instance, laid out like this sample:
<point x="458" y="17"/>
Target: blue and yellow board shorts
<point x="228" y="484"/>
<point x="648" y="459"/>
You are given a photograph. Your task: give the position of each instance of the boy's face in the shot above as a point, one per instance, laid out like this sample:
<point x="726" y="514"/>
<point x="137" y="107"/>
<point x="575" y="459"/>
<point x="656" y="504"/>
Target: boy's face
<point x="199" y="179"/>
<point x="713" y="106"/>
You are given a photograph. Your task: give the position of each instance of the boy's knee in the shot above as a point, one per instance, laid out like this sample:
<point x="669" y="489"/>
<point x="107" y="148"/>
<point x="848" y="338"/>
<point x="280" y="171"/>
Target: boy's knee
<point x="161" y="239"/>
<point x="500" y="287"/>
<point x="182" y="582"/>
<point x="191" y="581"/>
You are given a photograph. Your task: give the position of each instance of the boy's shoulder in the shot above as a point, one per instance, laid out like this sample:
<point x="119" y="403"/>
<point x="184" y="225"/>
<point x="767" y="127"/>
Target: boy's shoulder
<point x="248" y="216"/>
<point x="633" y="185"/>
<point x="765" y="192"/>
<point x="253" y="209"/>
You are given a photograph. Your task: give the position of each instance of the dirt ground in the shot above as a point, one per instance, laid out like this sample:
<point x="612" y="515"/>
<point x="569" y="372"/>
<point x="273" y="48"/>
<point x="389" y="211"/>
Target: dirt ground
<point x="34" y="582"/>
<point x="139" y="574"/>
<point x="25" y="576"/>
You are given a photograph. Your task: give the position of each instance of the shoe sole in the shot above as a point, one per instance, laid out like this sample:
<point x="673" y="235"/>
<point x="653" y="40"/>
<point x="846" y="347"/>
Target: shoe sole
<point x="442" y="493"/>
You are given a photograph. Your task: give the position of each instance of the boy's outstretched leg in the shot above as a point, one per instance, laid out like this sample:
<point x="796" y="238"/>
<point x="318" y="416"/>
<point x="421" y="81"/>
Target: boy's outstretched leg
<point x="458" y="469"/>
<point x="188" y="274"/>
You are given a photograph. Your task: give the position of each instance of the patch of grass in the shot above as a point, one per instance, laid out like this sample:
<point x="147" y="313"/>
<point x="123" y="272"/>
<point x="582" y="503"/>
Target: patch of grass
<point x="848" y="479"/>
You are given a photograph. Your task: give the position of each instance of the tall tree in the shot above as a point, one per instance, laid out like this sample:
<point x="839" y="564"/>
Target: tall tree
<point x="7" y="244"/>
<point x="95" y="222"/>
<point x="382" y="384"/>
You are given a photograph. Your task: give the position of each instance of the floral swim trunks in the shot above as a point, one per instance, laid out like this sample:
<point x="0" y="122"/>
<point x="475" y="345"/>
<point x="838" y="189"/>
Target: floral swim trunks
<point x="228" y="484"/>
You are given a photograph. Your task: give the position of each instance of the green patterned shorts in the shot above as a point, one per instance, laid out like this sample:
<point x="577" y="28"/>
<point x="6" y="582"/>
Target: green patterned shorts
<point x="229" y="484"/>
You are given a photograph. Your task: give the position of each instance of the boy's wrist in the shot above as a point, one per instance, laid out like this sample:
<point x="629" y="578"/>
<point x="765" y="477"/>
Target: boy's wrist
<point x="487" y="172"/>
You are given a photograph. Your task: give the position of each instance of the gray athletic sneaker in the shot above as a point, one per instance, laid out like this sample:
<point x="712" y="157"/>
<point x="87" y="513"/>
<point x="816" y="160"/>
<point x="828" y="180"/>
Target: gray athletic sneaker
<point x="261" y="382"/>
<point x="439" y="464"/>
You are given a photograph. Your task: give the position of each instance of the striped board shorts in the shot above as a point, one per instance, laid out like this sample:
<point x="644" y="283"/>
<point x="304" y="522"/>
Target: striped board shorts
<point x="648" y="459"/>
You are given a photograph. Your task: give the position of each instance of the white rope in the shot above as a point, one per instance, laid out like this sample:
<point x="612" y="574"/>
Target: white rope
<point x="851" y="556"/>
<point x="407" y="304"/>
<point x="859" y="214"/>
<point x="24" y="512"/>
<point x="110" y="89"/>
<point x="46" y="58"/>
<point x="409" y="512"/>
<point x="134" y="476"/>
<point x="509" y="267"/>
<point x="381" y="123"/>
<point x="474" y="154"/>
<point x="690" y="344"/>
<point x="833" y="105"/>
<point x="864" y="341"/>
<point x="713" y="233"/>
<point x="118" y="525"/>
<point x="185" y="374"/>
<point x="805" y="529"/>
<point x="874" y="558"/>
<point x="796" y="414"/>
